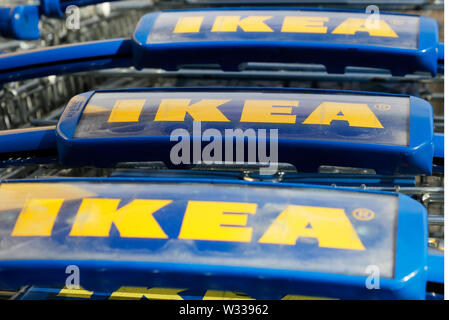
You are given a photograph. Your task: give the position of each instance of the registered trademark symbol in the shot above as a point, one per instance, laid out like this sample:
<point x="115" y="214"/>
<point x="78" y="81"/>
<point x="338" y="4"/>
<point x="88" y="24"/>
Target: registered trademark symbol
<point x="382" y="107"/>
<point x="363" y="214"/>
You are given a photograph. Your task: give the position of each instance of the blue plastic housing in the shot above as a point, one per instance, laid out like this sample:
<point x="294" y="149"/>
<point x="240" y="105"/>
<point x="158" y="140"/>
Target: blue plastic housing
<point x="436" y="266"/>
<point x="20" y="22"/>
<point x="65" y="59"/>
<point x="402" y="141"/>
<point x="169" y="39"/>
<point x="373" y="233"/>
<point x="56" y="8"/>
<point x="408" y="44"/>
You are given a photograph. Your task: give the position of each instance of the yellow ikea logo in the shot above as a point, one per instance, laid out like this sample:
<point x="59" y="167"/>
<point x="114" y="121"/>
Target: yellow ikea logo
<point x="290" y="24"/>
<point x="202" y="220"/>
<point x="156" y="293"/>
<point x="253" y="111"/>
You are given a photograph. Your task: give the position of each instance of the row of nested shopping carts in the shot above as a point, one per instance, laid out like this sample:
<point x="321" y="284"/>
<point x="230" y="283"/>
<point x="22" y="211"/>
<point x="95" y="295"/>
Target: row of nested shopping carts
<point x="39" y="102"/>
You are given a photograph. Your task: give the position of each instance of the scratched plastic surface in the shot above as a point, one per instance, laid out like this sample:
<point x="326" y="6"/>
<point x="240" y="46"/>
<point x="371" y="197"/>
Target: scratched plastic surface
<point x="324" y="27"/>
<point x="373" y="242"/>
<point x="388" y="116"/>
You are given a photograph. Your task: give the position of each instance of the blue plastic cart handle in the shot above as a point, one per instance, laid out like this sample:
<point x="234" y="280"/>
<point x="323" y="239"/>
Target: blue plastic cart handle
<point x="436" y="266"/>
<point x="56" y="8"/>
<point x="231" y="37"/>
<point x="20" y="22"/>
<point x="196" y="241"/>
<point x="358" y="3"/>
<point x="438" y="139"/>
<point x="388" y="133"/>
<point x="66" y="59"/>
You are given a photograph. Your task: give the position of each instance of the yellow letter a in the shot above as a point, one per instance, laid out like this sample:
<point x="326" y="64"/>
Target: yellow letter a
<point x="330" y="226"/>
<point x="351" y="25"/>
<point x="357" y="115"/>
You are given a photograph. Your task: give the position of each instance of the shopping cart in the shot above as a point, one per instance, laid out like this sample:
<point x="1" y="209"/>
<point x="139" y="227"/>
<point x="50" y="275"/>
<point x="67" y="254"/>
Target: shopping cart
<point x="417" y="182"/>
